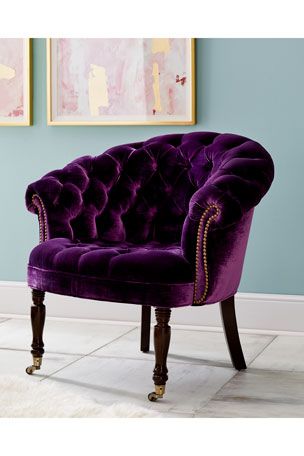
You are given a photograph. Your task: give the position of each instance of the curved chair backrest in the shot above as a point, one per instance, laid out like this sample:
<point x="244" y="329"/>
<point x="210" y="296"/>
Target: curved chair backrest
<point x="140" y="192"/>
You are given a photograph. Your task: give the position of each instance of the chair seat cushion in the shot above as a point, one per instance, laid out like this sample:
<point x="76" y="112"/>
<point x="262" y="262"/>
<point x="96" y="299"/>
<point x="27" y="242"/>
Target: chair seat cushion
<point x="121" y="272"/>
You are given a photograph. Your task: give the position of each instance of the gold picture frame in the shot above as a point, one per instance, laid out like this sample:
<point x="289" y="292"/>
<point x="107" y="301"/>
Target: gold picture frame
<point x="53" y="121"/>
<point x="28" y="85"/>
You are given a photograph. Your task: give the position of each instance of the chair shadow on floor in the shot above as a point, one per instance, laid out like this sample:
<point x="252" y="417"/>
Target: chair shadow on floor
<point x="127" y="395"/>
<point x="199" y="361"/>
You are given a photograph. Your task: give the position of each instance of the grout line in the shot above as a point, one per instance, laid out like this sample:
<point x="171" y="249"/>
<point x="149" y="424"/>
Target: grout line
<point x="263" y="349"/>
<point x="28" y="350"/>
<point x="217" y="391"/>
<point x="87" y="354"/>
<point x="235" y="375"/>
<point x="200" y="363"/>
<point x="3" y="321"/>
<point x="205" y="363"/>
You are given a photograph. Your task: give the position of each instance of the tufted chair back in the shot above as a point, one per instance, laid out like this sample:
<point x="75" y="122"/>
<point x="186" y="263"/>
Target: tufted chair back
<point x="140" y="192"/>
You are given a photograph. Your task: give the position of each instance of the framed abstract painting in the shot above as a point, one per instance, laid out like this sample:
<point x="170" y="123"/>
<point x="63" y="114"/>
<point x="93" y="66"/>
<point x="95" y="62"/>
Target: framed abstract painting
<point x="99" y="81"/>
<point x="15" y="82"/>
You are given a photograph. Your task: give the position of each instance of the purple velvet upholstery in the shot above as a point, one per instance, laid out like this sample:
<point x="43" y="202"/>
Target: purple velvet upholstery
<point x="163" y="222"/>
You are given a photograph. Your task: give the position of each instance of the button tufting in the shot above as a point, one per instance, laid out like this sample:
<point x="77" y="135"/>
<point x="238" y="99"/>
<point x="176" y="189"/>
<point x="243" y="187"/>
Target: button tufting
<point x="126" y="193"/>
<point x="136" y="213"/>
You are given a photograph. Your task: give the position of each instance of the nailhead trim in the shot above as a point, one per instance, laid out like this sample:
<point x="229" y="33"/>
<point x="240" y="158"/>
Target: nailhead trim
<point x="43" y="231"/>
<point x="201" y="299"/>
<point x="43" y="235"/>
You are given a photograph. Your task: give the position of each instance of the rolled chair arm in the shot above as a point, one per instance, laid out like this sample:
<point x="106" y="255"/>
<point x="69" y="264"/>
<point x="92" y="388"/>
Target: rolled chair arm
<point x="216" y="230"/>
<point x="237" y="185"/>
<point x="57" y="198"/>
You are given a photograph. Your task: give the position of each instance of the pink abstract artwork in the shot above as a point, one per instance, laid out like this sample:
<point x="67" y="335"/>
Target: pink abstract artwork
<point x="14" y="81"/>
<point x="121" y="81"/>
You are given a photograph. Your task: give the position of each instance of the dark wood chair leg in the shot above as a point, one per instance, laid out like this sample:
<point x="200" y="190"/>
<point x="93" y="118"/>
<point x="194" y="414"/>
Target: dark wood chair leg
<point x="162" y="334"/>
<point x="232" y="334"/>
<point x="145" y="328"/>
<point x="37" y="319"/>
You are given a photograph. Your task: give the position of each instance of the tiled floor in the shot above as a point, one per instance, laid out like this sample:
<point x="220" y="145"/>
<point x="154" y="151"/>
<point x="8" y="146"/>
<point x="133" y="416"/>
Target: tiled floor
<point x="103" y="361"/>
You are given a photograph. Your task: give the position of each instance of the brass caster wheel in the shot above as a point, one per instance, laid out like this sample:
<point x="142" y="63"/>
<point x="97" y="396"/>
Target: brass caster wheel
<point x="152" y="397"/>
<point x="37" y="361"/>
<point x="30" y="370"/>
<point x="157" y="394"/>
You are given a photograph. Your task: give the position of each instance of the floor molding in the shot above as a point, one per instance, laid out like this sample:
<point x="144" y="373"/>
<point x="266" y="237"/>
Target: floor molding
<point x="256" y="312"/>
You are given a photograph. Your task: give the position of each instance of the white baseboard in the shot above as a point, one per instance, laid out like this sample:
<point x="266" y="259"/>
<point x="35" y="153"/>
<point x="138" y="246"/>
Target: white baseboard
<point x="255" y="311"/>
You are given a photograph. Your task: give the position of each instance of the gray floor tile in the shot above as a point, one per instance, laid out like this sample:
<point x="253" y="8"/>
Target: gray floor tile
<point x="201" y="380"/>
<point x="284" y="353"/>
<point x="116" y="379"/>
<point x="61" y="336"/>
<point x="258" y="393"/>
<point x="197" y="347"/>
<point x="238" y="409"/>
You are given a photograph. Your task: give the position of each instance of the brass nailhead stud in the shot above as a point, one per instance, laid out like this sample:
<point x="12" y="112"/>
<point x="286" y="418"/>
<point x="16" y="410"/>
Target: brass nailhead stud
<point x="200" y="300"/>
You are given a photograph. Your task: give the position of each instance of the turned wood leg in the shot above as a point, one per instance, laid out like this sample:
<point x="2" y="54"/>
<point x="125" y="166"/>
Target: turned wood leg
<point x="232" y="334"/>
<point x="162" y="333"/>
<point x="37" y="319"/>
<point x="145" y="328"/>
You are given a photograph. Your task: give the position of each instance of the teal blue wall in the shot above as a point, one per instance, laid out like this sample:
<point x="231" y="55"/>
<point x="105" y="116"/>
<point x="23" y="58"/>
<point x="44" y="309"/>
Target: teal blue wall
<point x="252" y="87"/>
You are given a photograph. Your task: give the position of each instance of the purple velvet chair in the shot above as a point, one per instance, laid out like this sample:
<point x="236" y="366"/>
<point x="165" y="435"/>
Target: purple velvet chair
<point x="160" y="223"/>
